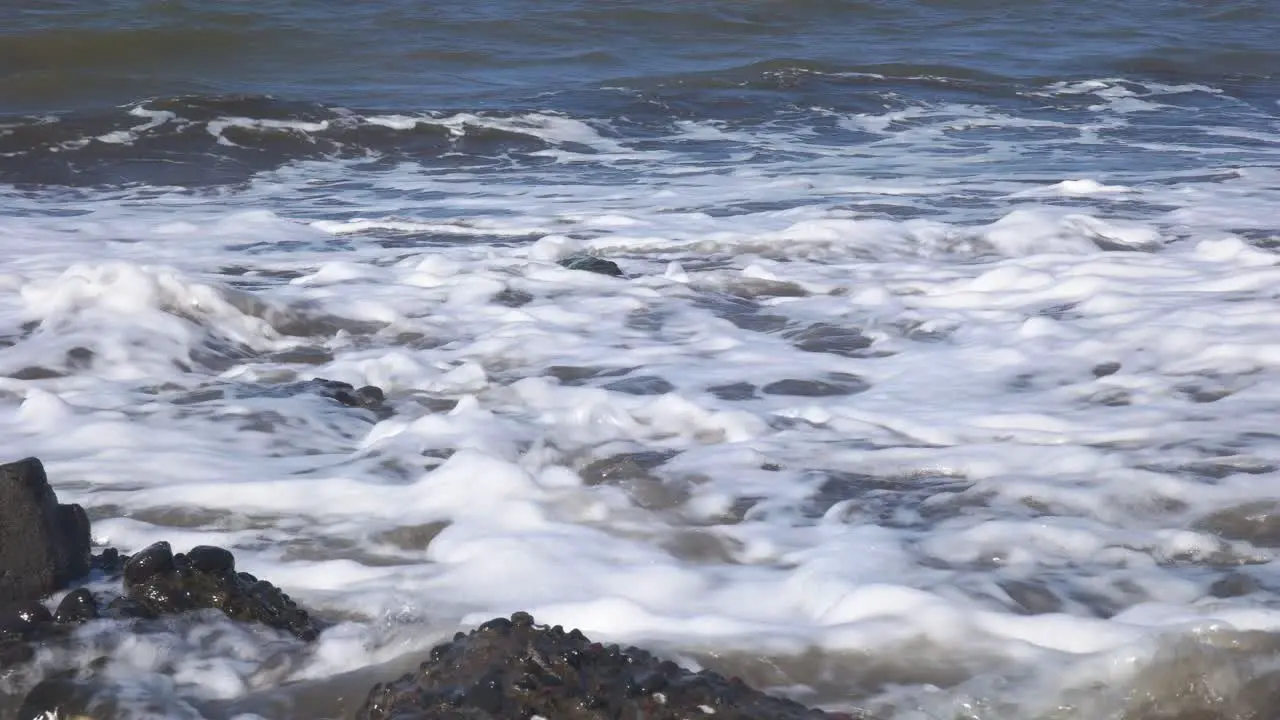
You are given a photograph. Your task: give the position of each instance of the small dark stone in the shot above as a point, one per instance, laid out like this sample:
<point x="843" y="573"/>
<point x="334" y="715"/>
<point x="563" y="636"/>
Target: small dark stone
<point x="497" y="625"/>
<point x="79" y="358"/>
<point x="77" y="607"/>
<point x="155" y="559"/>
<point x="513" y="298"/>
<point x="36" y="373"/>
<point x="210" y="559"/>
<point x="641" y="385"/>
<point x="832" y="339"/>
<point x="368" y="397"/>
<point x="1104" y="369"/>
<point x="588" y="263"/>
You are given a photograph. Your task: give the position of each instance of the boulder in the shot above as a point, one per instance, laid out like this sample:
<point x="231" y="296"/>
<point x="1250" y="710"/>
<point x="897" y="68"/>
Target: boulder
<point x="44" y="544"/>
<point x="517" y="669"/>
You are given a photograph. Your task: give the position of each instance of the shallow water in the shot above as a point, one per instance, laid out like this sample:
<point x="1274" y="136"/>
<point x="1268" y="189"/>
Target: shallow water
<point x="940" y="381"/>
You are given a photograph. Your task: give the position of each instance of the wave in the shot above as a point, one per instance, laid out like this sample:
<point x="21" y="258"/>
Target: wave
<point x="200" y="141"/>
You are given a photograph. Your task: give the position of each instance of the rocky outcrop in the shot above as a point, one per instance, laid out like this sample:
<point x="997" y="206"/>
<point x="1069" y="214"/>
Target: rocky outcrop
<point x="44" y="545"/>
<point x="158" y="582"/>
<point x="517" y="669"/>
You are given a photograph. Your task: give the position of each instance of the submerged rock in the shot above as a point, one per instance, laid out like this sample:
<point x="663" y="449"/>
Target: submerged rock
<point x="589" y="263"/>
<point x="368" y="397"/>
<point x="44" y="544"/>
<point x="1256" y="522"/>
<point x="516" y="669"/>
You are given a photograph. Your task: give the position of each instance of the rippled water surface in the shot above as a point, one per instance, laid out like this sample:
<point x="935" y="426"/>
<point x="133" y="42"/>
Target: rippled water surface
<point x="941" y="379"/>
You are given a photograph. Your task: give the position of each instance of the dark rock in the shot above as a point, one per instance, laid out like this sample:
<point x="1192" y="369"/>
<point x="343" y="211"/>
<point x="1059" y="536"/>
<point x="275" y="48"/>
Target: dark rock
<point x="36" y="373"/>
<point x="588" y="263"/>
<point x="626" y="466"/>
<point x="734" y="391"/>
<point x="1104" y="369"/>
<point x="44" y="545"/>
<point x="368" y="397"/>
<point x="77" y="607"/>
<point x="832" y="339"/>
<point x="641" y="385"/>
<point x="155" y="559"/>
<point x="576" y="375"/>
<point x="516" y="669"/>
<point x="834" y="385"/>
<point x="513" y="298"/>
<point x="157" y="582"/>
<point x="207" y="558"/>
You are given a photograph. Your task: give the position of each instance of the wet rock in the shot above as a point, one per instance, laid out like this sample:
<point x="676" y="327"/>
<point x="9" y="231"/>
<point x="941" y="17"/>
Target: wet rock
<point x="79" y="606"/>
<point x="157" y="582"/>
<point x="625" y="466"/>
<point x="44" y="545"/>
<point x="1255" y="522"/>
<point x="513" y="298"/>
<point x="206" y="558"/>
<point x="1104" y="369"/>
<point x="641" y="385"/>
<point x="36" y="373"/>
<point x="155" y="559"/>
<point x="588" y="263"/>
<point x="734" y="391"/>
<point x="633" y="473"/>
<point x="516" y="669"/>
<point x="835" y="384"/>
<point x="368" y="397"/>
<point x="831" y="339"/>
<point x="577" y="375"/>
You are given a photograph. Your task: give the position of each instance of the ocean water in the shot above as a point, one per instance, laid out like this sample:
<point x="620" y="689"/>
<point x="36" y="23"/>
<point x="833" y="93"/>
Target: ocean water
<point x="942" y="380"/>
